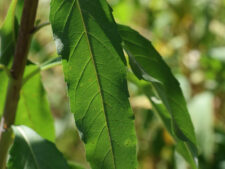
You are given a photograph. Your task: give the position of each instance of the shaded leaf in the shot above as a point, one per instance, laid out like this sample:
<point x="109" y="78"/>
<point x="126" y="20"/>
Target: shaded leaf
<point x="164" y="115"/>
<point x="30" y="151"/>
<point x="19" y="10"/>
<point x="7" y="35"/>
<point x="182" y="147"/>
<point x="73" y="165"/>
<point x="93" y="63"/>
<point x="148" y="65"/>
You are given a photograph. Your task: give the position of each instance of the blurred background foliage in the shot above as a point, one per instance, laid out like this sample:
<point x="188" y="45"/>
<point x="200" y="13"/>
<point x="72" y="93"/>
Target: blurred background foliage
<point x="190" y="35"/>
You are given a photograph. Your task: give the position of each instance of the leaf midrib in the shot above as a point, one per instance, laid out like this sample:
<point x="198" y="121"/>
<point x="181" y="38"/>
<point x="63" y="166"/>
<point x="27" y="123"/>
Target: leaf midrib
<point x="29" y="146"/>
<point x="97" y="77"/>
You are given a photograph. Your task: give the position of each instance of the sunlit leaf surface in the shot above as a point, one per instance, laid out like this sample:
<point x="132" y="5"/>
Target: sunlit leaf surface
<point x="93" y="63"/>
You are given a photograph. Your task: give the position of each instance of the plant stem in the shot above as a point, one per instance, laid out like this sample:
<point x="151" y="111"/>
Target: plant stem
<point x="17" y="71"/>
<point x="37" y="28"/>
<point x="45" y="66"/>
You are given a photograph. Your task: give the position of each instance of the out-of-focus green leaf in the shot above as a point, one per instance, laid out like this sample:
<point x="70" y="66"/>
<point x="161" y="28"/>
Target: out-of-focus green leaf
<point x="7" y="35"/>
<point x="30" y="151"/>
<point x="33" y="109"/>
<point x="93" y="62"/>
<point x="7" y="45"/>
<point x="19" y="10"/>
<point x="73" y="165"/>
<point x="218" y="53"/>
<point x="3" y="89"/>
<point x="148" y="65"/>
<point x="124" y="11"/>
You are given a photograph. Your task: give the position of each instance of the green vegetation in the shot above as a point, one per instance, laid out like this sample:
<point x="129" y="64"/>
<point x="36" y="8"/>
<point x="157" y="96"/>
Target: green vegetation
<point x="80" y="90"/>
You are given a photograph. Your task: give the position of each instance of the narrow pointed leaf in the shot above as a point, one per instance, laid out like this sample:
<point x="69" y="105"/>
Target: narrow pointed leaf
<point x="148" y="65"/>
<point x="182" y="146"/>
<point x="162" y="112"/>
<point x="30" y="151"/>
<point x="93" y="62"/>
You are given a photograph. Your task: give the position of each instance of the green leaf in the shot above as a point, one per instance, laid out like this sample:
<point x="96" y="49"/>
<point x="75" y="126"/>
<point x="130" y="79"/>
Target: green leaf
<point x="182" y="147"/>
<point x="148" y="65"/>
<point x="33" y="109"/>
<point x="73" y="165"/>
<point x="19" y="10"/>
<point x="8" y="39"/>
<point x="7" y="34"/>
<point x="30" y="151"/>
<point x="93" y="62"/>
<point x="3" y="89"/>
<point x="164" y="115"/>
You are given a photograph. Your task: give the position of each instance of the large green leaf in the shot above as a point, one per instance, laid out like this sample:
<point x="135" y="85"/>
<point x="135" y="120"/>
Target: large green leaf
<point x="86" y="38"/>
<point x="33" y="109"/>
<point x="148" y="65"/>
<point x="30" y="151"/>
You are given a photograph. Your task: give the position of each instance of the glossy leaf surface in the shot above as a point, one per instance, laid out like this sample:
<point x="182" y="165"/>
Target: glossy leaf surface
<point x="30" y="151"/>
<point x="93" y="62"/>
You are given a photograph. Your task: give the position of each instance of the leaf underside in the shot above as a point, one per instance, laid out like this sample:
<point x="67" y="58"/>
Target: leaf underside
<point x="93" y="62"/>
<point x="148" y="65"/>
